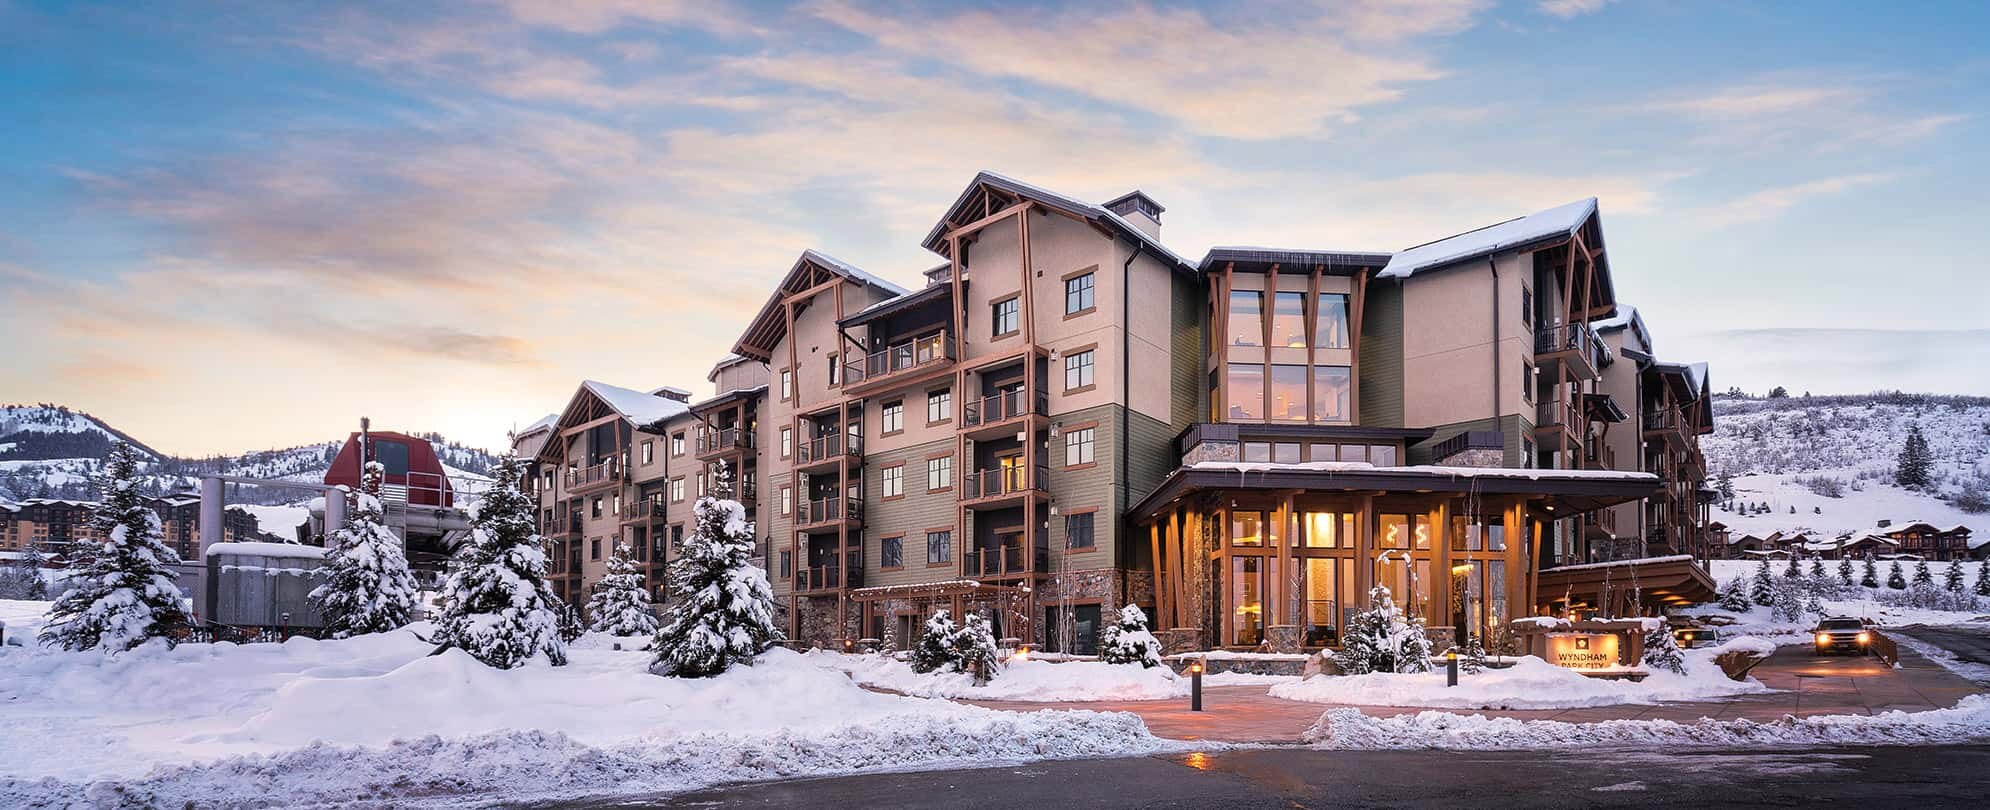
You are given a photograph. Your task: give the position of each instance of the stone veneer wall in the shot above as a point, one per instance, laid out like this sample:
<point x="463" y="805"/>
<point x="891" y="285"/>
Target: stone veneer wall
<point x="1207" y="450"/>
<point x="1479" y="457"/>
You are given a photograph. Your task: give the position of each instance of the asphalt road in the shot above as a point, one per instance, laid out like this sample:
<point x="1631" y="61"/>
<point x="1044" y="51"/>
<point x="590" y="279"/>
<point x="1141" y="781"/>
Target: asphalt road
<point x="1300" y="778"/>
<point x="1969" y="642"/>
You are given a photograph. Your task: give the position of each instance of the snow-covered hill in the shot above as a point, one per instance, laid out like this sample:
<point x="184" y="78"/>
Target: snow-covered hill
<point x="50" y="451"/>
<point x="1827" y="463"/>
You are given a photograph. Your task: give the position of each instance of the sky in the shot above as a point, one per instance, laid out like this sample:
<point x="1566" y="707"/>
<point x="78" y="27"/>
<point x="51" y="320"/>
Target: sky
<point x="243" y="225"/>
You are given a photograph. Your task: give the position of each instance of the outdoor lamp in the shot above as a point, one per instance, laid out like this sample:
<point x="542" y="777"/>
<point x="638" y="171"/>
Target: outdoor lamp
<point x="1022" y="653"/>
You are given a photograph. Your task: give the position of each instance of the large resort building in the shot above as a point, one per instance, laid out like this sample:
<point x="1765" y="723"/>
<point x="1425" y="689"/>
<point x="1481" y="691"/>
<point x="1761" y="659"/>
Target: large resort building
<point x="1068" y="417"/>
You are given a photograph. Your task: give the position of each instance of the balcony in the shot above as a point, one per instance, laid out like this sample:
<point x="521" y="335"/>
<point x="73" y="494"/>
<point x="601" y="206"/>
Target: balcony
<point x="1558" y="418"/>
<point x="1006" y="560"/>
<point x="643" y="509"/>
<point x="597" y="476"/>
<point x="825" y="451"/>
<point x="1666" y="424"/>
<point x="832" y="577"/>
<point x="991" y="414"/>
<point x="564" y="527"/>
<point x="723" y="441"/>
<point x="905" y="362"/>
<point x="829" y="513"/>
<point x="1003" y="486"/>
<point x="1572" y="346"/>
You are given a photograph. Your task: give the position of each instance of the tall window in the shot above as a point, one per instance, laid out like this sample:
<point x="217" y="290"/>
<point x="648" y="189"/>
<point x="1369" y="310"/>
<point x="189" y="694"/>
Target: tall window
<point x="1078" y="370"/>
<point x="835" y="370"/>
<point x="594" y="508"/>
<point x="939" y="547"/>
<point x="939" y="405"/>
<point x="1079" y="446"/>
<point x="939" y="472"/>
<point x="677" y="443"/>
<point x="891" y="552"/>
<point x="1247" y="599"/>
<point x="1527" y="306"/>
<point x="649" y="452"/>
<point x="894" y="481"/>
<point x="1330" y="322"/>
<point x="1332" y="386"/>
<point x="893" y="417"/>
<point x="1078" y="530"/>
<point x="1288" y="320"/>
<point x="787" y="442"/>
<point x="1288" y="393"/>
<point x="1005" y="316"/>
<point x="787" y="499"/>
<point x="787" y="383"/>
<point x="676" y="490"/>
<point x="1078" y="294"/>
<point x="1244" y="392"/>
<point x="1246" y="318"/>
<point x="1247" y="529"/>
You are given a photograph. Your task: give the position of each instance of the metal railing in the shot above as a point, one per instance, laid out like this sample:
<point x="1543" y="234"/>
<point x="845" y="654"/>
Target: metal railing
<point x="1662" y="419"/>
<point x="983" y="562"/>
<point x="829" y="446"/>
<point x="723" y="440"/>
<point x="900" y="357"/>
<point x="830" y="577"/>
<point x="1002" y="481"/>
<point x="1568" y="337"/>
<point x="1559" y="411"/>
<point x="644" y="508"/>
<point x="829" y="510"/>
<point x="1003" y="406"/>
<point x="604" y="472"/>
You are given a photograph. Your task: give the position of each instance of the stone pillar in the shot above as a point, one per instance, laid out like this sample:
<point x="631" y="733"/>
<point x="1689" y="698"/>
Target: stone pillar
<point x="1283" y="638"/>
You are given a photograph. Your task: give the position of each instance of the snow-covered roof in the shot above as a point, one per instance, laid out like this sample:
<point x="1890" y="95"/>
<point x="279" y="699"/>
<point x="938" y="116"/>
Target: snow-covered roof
<point x="1292" y="256"/>
<point x="252" y="549"/>
<point x="1069" y="204"/>
<point x="545" y="423"/>
<point x="635" y="406"/>
<point x="1627" y="316"/>
<point x="1527" y="473"/>
<point x="1624" y="563"/>
<point x="731" y="359"/>
<point x="671" y="390"/>
<point x="851" y="270"/>
<point x="1493" y="239"/>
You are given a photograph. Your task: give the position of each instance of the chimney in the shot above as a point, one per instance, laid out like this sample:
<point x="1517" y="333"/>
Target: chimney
<point x="1141" y="210"/>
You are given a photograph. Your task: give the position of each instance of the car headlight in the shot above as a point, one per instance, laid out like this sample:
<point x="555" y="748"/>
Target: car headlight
<point x="1864" y="636"/>
<point x="1824" y="638"/>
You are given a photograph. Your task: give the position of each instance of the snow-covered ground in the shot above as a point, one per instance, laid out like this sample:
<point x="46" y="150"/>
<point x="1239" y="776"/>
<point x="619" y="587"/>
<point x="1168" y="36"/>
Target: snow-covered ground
<point x="1037" y="681"/>
<point x="1346" y="728"/>
<point x="376" y="719"/>
<point x="1757" y="622"/>
<point x="281" y="521"/>
<point x="1529" y="684"/>
<point x="1858" y="511"/>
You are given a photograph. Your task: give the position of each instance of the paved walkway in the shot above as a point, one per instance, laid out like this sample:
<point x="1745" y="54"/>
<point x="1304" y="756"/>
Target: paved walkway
<point x="1806" y="684"/>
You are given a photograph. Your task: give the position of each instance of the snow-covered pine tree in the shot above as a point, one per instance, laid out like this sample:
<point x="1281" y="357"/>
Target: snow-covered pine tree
<point x="1472" y="657"/>
<point x="1817" y="567"/>
<point x="1869" y="578"/>
<point x="1923" y="578"/>
<point x="497" y="605"/>
<point x="23" y="579"/>
<point x="1844" y="570"/>
<point x="571" y="627"/>
<point x="1785" y="602"/>
<point x="1983" y="578"/>
<point x="621" y="605"/>
<point x="974" y="649"/>
<point x="123" y="594"/>
<point x="368" y="588"/>
<point x="1895" y="578"/>
<point x="1381" y="639"/>
<point x="936" y="646"/>
<point x="1129" y="641"/>
<point x="1734" y="596"/>
<point x="1952" y="579"/>
<point x="724" y="613"/>
<point x="1662" y="651"/>
<point x="1811" y="605"/>
<point x="1912" y="467"/>
<point x="1793" y="570"/>
<point x="1759" y="591"/>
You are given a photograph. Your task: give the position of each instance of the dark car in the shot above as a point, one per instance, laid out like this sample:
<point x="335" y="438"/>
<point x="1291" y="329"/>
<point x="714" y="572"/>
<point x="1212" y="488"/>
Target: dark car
<point x="1690" y="637"/>
<point x="1841" y="635"/>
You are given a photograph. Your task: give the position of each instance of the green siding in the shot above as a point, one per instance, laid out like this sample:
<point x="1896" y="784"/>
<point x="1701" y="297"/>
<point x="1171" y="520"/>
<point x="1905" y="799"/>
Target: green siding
<point x="1092" y="487"/>
<point x="910" y="515"/>
<point x="1381" y="361"/>
<point x="1187" y="392"/>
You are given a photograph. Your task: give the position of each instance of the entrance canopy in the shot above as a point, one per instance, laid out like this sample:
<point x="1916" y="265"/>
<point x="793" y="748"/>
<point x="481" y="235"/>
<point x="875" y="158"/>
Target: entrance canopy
<point x="1610" y="586"/>
<point x="1566" y="491"/>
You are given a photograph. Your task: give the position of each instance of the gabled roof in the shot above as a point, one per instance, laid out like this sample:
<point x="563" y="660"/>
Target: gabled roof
<point x="729" y="360"/>
<point x="1536" y="229"/>
<point x="770" y="325"/>
<point x="1093" y="213"/>
<point x="639" y="408"/>
<point x="1628" y="317"/>
<point x="1341" y="260"/>
<point x="545" y="423"/>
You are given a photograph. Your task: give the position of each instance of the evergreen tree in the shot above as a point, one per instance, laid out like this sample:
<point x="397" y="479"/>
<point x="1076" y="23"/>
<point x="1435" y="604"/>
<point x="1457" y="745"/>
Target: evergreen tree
<point x="1779" y="392"/>
<point x="1724" y="484"/>
<point x="1811" y="604"/>
<point x="936" y="647"/>
<point x="369" y="588"/>
<point x="123" y="594"/>
<point x="1912" y="467"/>
<point x="621" y="605"/>
<point x="1895" y="579"/>
<point x="1983" y="578"/>
<point x="496" y="604"/>
<point x="725" y="614"/>
<point x="1759" y="591"/>
<point x="1817" y="568"/>
<point x="974" y="649"/>
<point x="1662" y="651"/>
<point x="1786" y="602"/>
<point x="1923" y="578"/>
<point x="1129" y="641"/>
<point x="1792" y="571"/>
<point x="1870" y="577"/>
<point x="1734" y="596"/>
<point x="1472" y="657"/>
<point x="23" y="579"/>
<point x="1844" y="569"/>
<point x="1381" y="639"/>
<point x="1952" y="580"/>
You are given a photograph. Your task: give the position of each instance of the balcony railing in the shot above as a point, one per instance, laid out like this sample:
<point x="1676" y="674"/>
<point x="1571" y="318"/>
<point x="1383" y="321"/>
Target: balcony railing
<point x="1663" y="419"/>
<point x="609" y="471"/>
<point x="724" y="440"/>
<point x="988" y="562"/>
<point x="924" y="352"/>
<point x="1003" y="407"/>
<point x="828" y="510"/>
<point x="832" y="577"/>
<point x="828" y="447"/>
<point x="1572" y="338"/>
<point x="644" y="509"/>
<point x="1559" y="411"/>
<point x="1004" y="481"/>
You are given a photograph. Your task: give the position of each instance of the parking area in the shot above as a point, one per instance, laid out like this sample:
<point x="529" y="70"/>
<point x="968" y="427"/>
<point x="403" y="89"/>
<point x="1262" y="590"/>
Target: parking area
<point x="1806" y="684"/>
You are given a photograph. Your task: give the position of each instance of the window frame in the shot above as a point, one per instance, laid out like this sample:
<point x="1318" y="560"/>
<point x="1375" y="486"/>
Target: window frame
<point x="1089" y="445"/>
<point x="945" y="462"/>
<point x="1090" y="514"/>
<point x="1088" y="294"/>
<point x="944" y="397"/>
<point x="891" y="546"/>
<point x="946" y="549"/>
<point x="889" y="412"/>
<point x="1014" y="304"/>
<point x="885" y="480"/>
<point x="1088" y="371"/>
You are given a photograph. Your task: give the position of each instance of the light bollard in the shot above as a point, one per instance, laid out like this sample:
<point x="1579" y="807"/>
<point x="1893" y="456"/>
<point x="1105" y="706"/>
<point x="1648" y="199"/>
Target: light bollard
<point x="1195" y="685"/>
<point x="1451" y="668"/>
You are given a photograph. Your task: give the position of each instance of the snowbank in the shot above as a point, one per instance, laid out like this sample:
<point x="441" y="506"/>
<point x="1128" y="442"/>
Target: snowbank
<point x="1349" y="729"/>
<point x="1038" y="681"/>
<point x="1529" y="684"/>
<point x="376" y="717"/>
<point x="23" y="618"/>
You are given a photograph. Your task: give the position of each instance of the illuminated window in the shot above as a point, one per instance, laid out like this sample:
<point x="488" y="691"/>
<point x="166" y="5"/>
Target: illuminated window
<point x="1288" y="393"/>
<point x="1247" y="529"/>
<point x="1330" y="322"/>
<point x="1288" y="320"/>
<point x="1332" y="386"/>
<point x="1246" y="318"/>
<point x="1244" y="393"/>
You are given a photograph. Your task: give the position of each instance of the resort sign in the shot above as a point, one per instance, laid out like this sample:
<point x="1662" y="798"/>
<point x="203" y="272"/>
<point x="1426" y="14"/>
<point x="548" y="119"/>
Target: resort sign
<point x="1583" y="650"/>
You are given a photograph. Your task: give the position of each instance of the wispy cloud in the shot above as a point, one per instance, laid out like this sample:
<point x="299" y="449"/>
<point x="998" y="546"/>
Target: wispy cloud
<point x="1569" y="9"/>
<point x="1807" y="110"/>
<point x="1769" y="203"/>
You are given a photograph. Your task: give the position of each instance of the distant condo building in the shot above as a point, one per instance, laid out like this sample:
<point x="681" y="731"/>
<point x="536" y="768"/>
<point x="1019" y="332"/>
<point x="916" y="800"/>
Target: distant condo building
<point x="1069" y="417"/>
